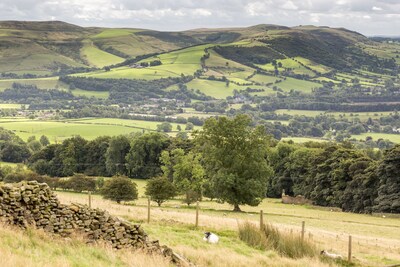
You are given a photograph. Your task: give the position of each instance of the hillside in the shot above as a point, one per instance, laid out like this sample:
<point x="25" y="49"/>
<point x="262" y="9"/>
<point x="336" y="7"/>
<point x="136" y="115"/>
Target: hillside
<point x="131" y="73"/>
<point x="45" y="48"/>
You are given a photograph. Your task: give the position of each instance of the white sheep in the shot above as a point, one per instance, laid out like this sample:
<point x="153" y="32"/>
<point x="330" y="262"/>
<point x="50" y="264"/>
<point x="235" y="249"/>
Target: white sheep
<point x="331" y="255"/>
<point x="210" y="238"/>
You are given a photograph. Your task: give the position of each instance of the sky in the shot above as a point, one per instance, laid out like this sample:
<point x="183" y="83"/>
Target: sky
<point x="369" y="17"/>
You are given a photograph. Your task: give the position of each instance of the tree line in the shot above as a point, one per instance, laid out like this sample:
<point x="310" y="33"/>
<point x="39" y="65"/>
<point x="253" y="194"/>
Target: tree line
<point x="234" y="162"/>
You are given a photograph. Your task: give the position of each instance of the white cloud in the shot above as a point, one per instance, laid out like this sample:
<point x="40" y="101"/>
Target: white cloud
<point x="202" y="12"/>
<point x="383" y="15"/>
<point x="289" y="5"/>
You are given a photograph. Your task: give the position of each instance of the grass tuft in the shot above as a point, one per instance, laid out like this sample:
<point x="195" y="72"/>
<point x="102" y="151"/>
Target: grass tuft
<point x="270" y="238"/>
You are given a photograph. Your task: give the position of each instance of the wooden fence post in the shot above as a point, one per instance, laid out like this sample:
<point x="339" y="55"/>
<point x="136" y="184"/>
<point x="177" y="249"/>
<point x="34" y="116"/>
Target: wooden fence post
<point x="90" y="199"/>
<point x="303" y="226"/>
<point x="349" y="254"/>
<point x="197" y="214"/>
<point x="261" y="219"/>
<point x="148" y="210"/>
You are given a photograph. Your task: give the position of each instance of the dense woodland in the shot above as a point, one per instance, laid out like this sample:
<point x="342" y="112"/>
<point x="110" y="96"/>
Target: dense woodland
<point x="333" y="175"/>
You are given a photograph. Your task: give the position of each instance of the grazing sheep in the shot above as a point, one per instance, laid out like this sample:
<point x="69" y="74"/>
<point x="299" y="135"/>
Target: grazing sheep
<point x="210" y="238"/>
<point x="331" y="255"/>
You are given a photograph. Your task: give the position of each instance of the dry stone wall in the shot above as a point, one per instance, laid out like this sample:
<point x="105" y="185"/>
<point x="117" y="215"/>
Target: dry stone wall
<point x="33" y="203"/>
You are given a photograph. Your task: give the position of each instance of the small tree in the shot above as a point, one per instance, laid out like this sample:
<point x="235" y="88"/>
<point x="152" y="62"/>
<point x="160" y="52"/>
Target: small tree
<point x="160" y="189"/>
<point x="119" y="188"/>
<point x="189" y="126"/>
<point x="80" y="182"/>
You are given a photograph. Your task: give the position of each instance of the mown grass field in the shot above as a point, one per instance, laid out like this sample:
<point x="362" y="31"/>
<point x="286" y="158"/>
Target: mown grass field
<point x="89" y="129"/>
<point x="376" y="240"/>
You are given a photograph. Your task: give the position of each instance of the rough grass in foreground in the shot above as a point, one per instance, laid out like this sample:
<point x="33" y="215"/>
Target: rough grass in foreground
<point x="270" y="238"/>
<point x="36" y="248"/>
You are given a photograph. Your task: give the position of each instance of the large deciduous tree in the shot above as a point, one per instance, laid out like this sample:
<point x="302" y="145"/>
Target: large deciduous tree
<point x="235" y="159"/>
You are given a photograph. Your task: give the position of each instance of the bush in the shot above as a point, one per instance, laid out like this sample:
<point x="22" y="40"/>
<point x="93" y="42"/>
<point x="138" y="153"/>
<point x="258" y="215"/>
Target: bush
<point x="80" y="182"/>
<point x="269" y="237"/>
<point x="119" y="188"/>
<point x="160" y="189"/>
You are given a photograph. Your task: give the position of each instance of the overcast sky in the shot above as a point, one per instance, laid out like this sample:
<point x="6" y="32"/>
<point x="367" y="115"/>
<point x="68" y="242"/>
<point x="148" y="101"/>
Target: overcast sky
<point x="369" y="17"/>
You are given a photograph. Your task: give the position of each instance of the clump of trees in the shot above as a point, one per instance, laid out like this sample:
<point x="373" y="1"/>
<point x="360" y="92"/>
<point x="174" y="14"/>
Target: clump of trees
<point x="231" y="161"/>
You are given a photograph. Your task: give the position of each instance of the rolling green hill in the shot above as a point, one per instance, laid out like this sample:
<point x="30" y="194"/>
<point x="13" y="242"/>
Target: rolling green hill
<point x="261" y="57"/>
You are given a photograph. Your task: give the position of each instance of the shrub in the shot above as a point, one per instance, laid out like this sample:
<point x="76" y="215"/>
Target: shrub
<point x="160" y="189"/>
<point x="119" y="188"/>
<point x="80" y="182"/>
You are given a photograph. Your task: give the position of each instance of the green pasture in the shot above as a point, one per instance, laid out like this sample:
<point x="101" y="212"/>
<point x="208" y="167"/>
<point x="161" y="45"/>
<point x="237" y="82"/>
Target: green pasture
<point x="43" y="83"/>
<point x="58" y="131"/>
<point x="10" y="106"/>
<point x="130" y="73"/>
<point x="217" y="89"/>
<point x="297" y="85"/>
<point x="140" y="124"/>
<point x="303" y="139"/>
<point x="264" y="79"/>
<point x="228" y="68"/>
<point x="312" y="65"/>
<point x="395" y="138"/>
<point x="96" y="94"/>
<point x="294" y="112"/>
<point x="98" y="58"/>
<point x="325" y="79"/>
<point x="87" y="128"/>
<point x="111" y="33"/>
<point x="362" y="116"/>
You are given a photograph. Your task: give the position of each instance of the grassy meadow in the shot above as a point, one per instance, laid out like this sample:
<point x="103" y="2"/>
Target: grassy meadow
<point x="96" y="57"/>
<point x="376" y="239"/>
<point x="42" y="83"/>
<point x="395" y="138"/>
<point x="89" y="128"/>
